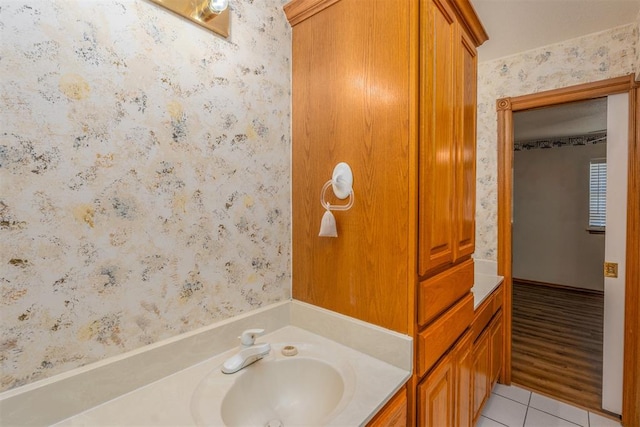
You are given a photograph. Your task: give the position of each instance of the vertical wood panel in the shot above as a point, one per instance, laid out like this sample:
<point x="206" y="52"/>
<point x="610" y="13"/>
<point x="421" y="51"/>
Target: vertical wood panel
<point x="351" y="103"/>
<point x="466" y="150"/>
<point x="437" y="156"/>
<point x="437" y="396"/>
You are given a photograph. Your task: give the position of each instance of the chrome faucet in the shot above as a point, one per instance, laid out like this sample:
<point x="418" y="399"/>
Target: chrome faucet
<point x="250" y="352"/>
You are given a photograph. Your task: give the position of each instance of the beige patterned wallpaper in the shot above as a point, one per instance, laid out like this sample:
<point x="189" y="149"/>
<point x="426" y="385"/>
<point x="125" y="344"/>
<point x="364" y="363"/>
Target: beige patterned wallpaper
<point x="144" y="176"/>
<point x="599" y="56"/>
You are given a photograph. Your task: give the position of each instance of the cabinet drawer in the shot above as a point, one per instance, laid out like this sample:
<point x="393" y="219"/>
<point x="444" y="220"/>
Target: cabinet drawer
<point x="482" y="317"/>
<point x="441" y="291"/>
<point x="485" y="312"/>
<point x="440" y="335"/>
<point x="497" y="298"/>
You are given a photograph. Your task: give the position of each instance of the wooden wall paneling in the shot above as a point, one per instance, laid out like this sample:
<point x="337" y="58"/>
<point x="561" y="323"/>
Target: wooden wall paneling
<point x="505" y="109"/>
<point x="351" y="103"/>
<point x="437" y="156"/>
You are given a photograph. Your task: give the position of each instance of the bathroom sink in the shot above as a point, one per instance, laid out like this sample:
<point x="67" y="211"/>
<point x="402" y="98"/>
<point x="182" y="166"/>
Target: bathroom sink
<point x="307" y="389"/>
<point x="293" y="392"/>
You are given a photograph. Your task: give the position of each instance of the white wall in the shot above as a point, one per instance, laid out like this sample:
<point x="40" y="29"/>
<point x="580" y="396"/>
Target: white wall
<point x="550" y="217"/>
<point x="615" y="251"/>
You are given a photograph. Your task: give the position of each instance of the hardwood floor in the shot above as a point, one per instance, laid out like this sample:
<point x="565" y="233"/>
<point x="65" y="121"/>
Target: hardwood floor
<point x="557" y="342"/>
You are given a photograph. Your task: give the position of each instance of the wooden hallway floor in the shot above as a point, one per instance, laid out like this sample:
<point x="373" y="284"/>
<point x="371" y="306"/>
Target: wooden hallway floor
<point x="557" y="342"/>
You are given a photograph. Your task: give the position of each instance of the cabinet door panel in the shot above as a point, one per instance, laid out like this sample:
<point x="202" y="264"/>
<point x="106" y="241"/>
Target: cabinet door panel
<point x="466" y="150"/>
<point x="481" y="372"/>
<point x="464" y="370"/>
<point x="437" y="149"/>
<point x="497" y="339"/>
<point x="394" y="414"/>
<point x="436" y="396"/>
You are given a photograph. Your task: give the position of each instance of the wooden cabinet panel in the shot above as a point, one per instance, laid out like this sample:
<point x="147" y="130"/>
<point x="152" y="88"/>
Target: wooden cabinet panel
<point x="394" y="414"/>
<point x="447" y="143"/>
<point x="441" y="291"/>
<point x="440" y="335"/>
<point x="389" y="87"/>
<point x="436" y="396"/>
<point x="482" y="316"/>
<point x="488" y="332"/>
<point x="465" y="195"/>
<point x="437" y="149"/>
<point x="481" y="372"/>
<point x="497" y="341"/>
<point x="464" y="370"/>
<point x="350" y="84"/>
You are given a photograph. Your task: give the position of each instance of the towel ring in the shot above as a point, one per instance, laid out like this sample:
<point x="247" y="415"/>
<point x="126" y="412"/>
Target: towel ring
<point x="342" y="183"/>
<point x="328" y="206"/>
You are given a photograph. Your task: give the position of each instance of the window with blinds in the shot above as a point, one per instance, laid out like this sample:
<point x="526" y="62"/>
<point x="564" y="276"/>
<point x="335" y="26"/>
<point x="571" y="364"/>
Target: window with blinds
<point x="597" y="194"/>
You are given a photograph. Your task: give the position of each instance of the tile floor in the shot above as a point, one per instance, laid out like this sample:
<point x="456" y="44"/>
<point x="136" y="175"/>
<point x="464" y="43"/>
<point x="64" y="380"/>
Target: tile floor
<point x="513" y="406"/>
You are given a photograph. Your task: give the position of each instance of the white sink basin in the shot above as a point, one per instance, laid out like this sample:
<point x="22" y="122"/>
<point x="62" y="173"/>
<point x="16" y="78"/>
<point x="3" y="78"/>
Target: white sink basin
<point x="309" y="389"/>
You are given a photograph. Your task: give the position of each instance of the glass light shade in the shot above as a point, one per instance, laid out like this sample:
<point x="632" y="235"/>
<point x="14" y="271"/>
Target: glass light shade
<point x="217" y="6"/>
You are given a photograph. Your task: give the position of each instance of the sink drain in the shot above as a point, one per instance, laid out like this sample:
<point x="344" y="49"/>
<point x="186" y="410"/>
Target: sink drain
<point x="274" y="423"/>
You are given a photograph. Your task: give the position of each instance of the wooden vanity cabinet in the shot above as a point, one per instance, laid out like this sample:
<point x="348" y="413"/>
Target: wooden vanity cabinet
<point x="444" y="394"/>
<point x="394" y="414"/>
<point x="446" y="220"/>
<point x="488" y="332"/>
<point x="390" y="88"/>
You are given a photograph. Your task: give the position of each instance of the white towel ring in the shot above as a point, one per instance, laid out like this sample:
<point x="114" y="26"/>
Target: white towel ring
<point x="328" y="206"/>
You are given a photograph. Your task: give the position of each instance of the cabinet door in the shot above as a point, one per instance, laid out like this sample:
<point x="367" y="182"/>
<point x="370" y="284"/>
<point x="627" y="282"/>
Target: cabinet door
<point x="464" y="369"/>
<point x="436" y="396"/>
<point x="481" y="372"/>
<point x="394" y="414"/>
<point x="437" y="149"/>
<point x="465" y="183"/>
<point x="497" y="340"/>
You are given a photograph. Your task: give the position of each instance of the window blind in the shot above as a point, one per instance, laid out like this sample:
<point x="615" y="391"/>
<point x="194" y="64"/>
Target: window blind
<point x="597" y="193"/>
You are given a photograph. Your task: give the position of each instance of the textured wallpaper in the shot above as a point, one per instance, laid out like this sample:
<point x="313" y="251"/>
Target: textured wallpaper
<point x="598" y="56"/>
<point x="144" y="176"/>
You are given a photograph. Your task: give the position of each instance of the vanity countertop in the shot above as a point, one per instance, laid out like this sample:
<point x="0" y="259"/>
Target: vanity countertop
<point x="483" y="285"/>
<point x="156" y="387"/>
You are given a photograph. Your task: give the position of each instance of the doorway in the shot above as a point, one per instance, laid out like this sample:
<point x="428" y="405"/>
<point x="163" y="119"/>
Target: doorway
<point x="506" y="107"/>
<point x="558" y="249"/>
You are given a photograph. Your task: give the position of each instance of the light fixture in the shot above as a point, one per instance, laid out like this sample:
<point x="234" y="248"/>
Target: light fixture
<point x="210" y="14"/>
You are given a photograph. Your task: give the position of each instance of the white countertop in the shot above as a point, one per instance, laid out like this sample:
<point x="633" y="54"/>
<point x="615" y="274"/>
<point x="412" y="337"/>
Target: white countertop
<point x="156" y="385"/>
<point x="483" y="285"/>
<point x="169" y="402"/>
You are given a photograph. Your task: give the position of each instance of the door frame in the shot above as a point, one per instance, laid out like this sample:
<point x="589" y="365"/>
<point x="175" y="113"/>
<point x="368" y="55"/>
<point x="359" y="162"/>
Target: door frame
<point x="505" y="109"/>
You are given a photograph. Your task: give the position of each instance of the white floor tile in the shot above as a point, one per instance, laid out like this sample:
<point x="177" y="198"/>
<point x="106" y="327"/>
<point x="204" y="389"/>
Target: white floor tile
<point x="537" y="418"/>
<point x="596" y="420"/>
<point x="560" y="409"/>
<point x="487" y="422"/>
<point x="505" y="411"/>
<point x="513" y="392"/>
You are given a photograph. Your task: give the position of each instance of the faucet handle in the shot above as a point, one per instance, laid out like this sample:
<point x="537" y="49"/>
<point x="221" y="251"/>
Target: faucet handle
<point x="248" y="337"/>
